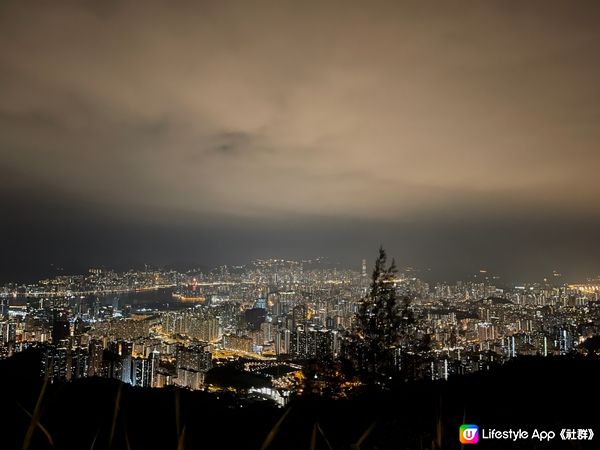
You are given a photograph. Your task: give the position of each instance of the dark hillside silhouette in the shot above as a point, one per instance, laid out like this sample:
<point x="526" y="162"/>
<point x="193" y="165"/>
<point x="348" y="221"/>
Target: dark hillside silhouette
<point x="550" y="393"/>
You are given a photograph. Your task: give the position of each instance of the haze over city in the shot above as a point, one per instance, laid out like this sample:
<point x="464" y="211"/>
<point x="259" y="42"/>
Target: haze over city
<point x="461" y="136"/>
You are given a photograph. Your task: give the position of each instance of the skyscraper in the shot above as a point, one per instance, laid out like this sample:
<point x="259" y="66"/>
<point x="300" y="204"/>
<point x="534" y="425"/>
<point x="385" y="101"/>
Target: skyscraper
<point x="4" y="307"/>
<point x="60" y="327"/>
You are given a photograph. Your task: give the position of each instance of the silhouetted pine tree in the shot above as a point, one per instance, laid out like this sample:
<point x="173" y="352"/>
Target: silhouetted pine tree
<point x="384" y="326"/>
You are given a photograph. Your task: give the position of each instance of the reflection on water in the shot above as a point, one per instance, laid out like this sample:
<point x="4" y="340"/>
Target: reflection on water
<point x="161" y="299"/>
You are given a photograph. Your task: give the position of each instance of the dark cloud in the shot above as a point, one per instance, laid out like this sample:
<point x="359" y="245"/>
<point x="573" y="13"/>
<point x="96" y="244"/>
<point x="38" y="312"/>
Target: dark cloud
<point x="233" y="143"/>
<point x="280" y="121"/>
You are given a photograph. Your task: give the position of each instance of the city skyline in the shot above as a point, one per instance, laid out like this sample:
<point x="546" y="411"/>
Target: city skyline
<point x="458" y="136"/>
<point x="157" y="328"/>
<point x="554" y="277"/>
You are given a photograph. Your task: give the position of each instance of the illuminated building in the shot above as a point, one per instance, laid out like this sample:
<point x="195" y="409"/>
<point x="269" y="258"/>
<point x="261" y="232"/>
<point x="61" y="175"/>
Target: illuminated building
<point x="140" y="372"/>
<point x="240" y="343"/>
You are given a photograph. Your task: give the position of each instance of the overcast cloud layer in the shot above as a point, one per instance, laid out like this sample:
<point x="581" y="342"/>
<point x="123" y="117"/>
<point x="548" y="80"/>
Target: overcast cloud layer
<point x="448" y="126"/>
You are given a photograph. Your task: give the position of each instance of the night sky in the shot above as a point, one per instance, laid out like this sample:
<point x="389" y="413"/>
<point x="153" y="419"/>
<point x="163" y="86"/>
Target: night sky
<point x="460" y="135"/>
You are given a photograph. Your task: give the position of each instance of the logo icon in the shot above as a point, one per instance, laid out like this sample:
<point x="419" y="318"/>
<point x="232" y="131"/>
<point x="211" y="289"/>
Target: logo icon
<point x="469" y="434"/>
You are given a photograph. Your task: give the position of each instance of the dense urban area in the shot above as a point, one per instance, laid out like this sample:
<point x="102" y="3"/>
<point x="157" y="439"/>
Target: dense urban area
<point x="271" y="318"/>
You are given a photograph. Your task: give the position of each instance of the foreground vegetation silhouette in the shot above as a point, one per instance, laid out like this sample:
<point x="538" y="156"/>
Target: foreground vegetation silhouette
<point x="104" y="414"/>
